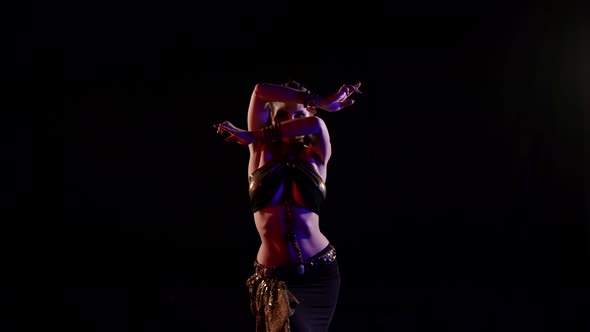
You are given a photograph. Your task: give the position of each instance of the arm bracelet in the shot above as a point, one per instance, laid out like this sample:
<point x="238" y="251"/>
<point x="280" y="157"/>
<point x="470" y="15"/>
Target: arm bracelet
<point x="310" y="100"/>
<point x="271" y="132"/>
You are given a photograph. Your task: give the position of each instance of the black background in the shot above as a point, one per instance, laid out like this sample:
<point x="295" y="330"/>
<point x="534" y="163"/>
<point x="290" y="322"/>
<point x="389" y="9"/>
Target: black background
<point x="455" y="186"/>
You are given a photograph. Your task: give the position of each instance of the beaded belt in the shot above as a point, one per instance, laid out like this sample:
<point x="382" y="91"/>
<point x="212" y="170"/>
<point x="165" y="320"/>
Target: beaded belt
<point x="310" y="263"/>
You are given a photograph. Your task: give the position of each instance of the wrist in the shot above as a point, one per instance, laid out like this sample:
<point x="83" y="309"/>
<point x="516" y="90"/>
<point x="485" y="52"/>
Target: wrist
<point x="257" y="135"/>
<point x="311" y="100"/>
<point x="269" y="133"/>
<point x="322" y="103"/>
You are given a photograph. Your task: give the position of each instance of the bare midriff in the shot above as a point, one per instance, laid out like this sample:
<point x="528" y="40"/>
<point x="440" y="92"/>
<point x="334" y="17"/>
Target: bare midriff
<point x="274" y="249"/>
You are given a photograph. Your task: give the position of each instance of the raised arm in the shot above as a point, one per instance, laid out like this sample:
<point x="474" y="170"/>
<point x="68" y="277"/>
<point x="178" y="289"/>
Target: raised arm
<point x="259" y="129"/>
<point x="289" y="128"/>
<point x="259" y="111"/>
<point x="264" y="93"/>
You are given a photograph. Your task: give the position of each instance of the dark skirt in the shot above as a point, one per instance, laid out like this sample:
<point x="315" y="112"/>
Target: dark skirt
<point x="303" y="302"/>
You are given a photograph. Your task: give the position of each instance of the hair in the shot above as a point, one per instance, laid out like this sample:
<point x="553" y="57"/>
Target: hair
<point x="295" y="85"/>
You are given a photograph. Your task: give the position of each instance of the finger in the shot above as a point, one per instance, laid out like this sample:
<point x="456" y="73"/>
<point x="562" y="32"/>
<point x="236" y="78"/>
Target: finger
<point x="225" y="127"/>
<point x="354" y="88"/>
<point x="347" y="91"/>
<point x="347" y="102"/>
<point x="231" y="139"/>
<point x="341" y="90"/>
<point x="357" y="88"/>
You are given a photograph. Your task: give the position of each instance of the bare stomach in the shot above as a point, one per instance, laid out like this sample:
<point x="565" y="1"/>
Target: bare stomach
<point x="275" y="249"/>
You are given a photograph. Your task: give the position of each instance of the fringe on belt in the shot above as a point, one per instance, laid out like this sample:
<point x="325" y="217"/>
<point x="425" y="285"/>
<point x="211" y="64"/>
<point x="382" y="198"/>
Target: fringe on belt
<point x="271" y="302"/>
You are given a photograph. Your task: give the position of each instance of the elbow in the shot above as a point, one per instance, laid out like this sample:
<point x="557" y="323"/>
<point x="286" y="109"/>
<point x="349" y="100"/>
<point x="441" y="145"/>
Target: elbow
<point x="257" y="88"/>
<point x="257" y="91"/>
<point x="313" y="124"/>
<point x="318" y="124"/>
<point x="260" y="90"/>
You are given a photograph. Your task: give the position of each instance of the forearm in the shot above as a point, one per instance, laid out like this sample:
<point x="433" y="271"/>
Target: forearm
<point x="278" y="93"/>
<point x="274" y="92"/>
<point x="290" y="128"/>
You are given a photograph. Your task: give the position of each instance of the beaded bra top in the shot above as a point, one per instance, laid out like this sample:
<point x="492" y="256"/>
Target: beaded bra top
<point x="266" y="180"/>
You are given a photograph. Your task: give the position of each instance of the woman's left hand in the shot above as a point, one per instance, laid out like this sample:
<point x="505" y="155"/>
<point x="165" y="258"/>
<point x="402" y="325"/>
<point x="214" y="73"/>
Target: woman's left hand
<point x="340" y="99"/>
<point x="236" y="134"/>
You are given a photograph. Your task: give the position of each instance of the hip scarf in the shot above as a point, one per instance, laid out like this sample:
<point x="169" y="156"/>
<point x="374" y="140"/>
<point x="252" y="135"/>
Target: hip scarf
<point x="271" y="302"/>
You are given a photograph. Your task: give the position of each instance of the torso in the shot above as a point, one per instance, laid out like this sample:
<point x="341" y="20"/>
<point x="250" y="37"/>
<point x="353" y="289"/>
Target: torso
<point x="271" y="221"/>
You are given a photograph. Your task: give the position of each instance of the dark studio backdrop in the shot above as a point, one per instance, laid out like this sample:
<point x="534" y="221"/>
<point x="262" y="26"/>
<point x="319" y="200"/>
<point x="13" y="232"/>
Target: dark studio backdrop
<point x="455" y="191"/>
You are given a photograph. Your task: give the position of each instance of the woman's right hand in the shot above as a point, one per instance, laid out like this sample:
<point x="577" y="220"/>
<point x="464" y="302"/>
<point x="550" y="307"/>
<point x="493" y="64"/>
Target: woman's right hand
<point x="236" y="134"/>
<point x="340" y="99"/>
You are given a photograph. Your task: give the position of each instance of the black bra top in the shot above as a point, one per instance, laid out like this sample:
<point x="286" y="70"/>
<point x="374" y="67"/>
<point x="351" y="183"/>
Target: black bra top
<point x="266" y="180"/>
